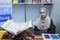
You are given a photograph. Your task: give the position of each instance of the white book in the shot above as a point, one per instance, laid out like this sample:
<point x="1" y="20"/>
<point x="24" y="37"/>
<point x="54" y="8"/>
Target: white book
<point x="15" y="28"/>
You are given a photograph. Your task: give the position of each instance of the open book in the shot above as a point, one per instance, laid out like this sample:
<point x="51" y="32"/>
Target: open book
<point x="14" y="28"/>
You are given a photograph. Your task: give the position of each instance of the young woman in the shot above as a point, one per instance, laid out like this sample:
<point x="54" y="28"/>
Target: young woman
<point x="44" y="23"/>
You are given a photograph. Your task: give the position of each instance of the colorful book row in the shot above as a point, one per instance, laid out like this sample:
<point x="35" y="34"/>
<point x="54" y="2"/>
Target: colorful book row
<point x="31" y="1"/>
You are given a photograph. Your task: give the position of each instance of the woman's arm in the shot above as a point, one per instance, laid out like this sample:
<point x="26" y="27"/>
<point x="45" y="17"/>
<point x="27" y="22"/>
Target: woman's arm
<point x="36" y="30"/>
<point x="52" y="28"/>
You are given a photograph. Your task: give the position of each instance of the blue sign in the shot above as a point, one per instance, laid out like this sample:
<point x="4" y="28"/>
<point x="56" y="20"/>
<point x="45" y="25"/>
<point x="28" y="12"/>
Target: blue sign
<point x="5" y="13"/>
<point x="5" y="17"/>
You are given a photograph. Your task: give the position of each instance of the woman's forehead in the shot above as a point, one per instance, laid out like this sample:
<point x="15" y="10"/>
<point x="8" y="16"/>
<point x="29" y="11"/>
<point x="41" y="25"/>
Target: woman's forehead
<point x="42" y="10"/>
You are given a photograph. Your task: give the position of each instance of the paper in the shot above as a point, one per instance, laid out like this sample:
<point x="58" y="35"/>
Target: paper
<point x="14" y="28"/>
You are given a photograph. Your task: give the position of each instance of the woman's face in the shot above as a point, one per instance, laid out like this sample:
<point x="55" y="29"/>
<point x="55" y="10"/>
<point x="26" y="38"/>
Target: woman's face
<point x="43" y="13"/>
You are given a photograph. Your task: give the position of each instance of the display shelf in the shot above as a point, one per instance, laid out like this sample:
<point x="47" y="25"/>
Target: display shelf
<point x="30" y="8"/>
<point x="34" y="3"/>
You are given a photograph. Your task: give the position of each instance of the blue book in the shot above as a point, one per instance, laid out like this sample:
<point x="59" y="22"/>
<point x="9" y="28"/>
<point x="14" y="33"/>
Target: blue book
<point x="47" y="36"/>
<point x="54" y="36"/>
<point x="21" y="1"/>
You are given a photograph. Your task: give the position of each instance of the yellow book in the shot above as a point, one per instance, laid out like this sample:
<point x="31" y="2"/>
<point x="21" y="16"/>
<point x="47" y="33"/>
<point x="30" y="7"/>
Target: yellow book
<point x="2" y="32"/>
<point x="26" y="1"/>
<point x="15" y="1"/>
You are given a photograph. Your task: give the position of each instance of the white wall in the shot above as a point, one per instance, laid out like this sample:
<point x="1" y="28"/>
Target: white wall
<point x="55" y="15"/>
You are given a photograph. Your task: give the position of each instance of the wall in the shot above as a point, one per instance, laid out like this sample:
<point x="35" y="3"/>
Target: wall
<point x="56" y="14"/>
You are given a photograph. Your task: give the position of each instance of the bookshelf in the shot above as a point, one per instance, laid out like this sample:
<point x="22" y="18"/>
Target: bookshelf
<point x="29" y="10"/>
<point x="35" y="3"/>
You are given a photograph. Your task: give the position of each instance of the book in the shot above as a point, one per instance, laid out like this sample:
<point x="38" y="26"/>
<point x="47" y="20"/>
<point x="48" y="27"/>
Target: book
<point x="54" y="36"/>
<point x="38" y="37"/>
<point x="26" y="1"/>
<point x="21" y="1"/>
<point x="36" y="1"/>
<point x="47" y="36"/>
<point x="43" y="1"/>
<point x="15" y="1"/>
<point x="48" y="1"/>
<point x="14" y="28"/>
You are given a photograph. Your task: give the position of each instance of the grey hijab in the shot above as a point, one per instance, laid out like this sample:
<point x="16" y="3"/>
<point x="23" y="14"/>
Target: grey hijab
<point x="43" y="24"/>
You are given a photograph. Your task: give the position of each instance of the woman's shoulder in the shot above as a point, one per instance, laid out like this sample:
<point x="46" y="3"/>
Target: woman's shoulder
<point x="52" y="27"/>
<point x="51" y="22"/>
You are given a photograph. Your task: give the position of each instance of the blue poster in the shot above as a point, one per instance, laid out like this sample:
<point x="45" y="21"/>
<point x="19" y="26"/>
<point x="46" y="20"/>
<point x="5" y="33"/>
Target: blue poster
<point x="5" y="10"/>
<point x="5" y="17"/>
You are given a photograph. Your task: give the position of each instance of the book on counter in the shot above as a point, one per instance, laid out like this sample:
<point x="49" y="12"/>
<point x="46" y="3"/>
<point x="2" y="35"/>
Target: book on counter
<point x="15" y="28"/>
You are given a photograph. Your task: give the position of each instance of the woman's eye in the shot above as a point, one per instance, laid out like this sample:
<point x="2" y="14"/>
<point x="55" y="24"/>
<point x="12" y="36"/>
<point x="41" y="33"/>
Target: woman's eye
<point x="40" y="12"/>
<point x="43" y="12"/>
